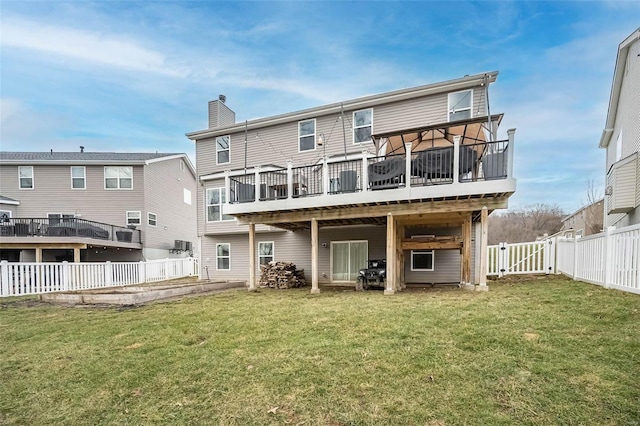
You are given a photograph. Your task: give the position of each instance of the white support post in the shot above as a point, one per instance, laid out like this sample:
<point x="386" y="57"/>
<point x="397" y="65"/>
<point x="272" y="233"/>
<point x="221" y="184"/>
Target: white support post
<point x="407" y="167"/>
<point x="510" y="133"/>
<point x="65" y="276"/>
<point x="456" y="159"/>
<point x="142" y="272"/>
<point x="167" y="265"/>
<point x="364" y="179"/>
<point x="108" y="274"/>
<point x="4" y="278"/>
<point x="315" y="289"/>
<point x="257" y="184"/>
<point x="609" y="267"/>
<point x="502" y="256"/>
<point x="289" y="179"/>
<point x="325" y="176"/>
<point x="252" y="257"/>
<point x="227" y="187"/>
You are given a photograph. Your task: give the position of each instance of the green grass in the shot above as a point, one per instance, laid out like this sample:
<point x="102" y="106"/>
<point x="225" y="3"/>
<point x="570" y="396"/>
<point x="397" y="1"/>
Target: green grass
<point x="533" y="351"/>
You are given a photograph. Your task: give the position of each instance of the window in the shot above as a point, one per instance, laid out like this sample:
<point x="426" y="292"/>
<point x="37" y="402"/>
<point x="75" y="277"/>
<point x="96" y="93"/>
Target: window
<point x="186" y="196"/>
<point x="118" y="177"/>
<point x="25" y="176"/>
<point x="134" y="218"/>
<point x="215" y="199"/>
<point x="152" y="219"/>
<point x="223" y="257"/>
<point x="619" y="146"/>
<point x="55" y="218"/>
<point x="78" y="177"/>
<point x="223" y="153"/>
<point x="181" y="166"/>
<point x="307" y="135"/>
<point x="422" y="260"/>
<point x="362" y="125"/>
<point x="460" y="105"/>
<point x="265" y="252"/>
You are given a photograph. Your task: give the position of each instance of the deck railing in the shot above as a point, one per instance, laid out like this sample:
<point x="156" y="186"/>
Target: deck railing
<point x="454" y="164"/>
<point x="67" y="227"/>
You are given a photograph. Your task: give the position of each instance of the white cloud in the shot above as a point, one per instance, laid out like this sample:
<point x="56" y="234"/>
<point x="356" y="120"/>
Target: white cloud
<point x="102" y="48"/>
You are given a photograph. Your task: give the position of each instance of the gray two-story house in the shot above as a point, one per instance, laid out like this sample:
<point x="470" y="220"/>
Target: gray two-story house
<point x="408" y="176"/>
<point x="621" y="138"/>
<point x="96" y="206"/>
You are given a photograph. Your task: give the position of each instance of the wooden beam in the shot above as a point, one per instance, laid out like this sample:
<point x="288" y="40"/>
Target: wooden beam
<point x="403" y="210"/>
<point x="252" y="257"/>
<point x="391" y="255"/>
<point x="401" y="235"/>
<point x="434" y="245"/>
<point x="484" y="223"/>
<point x="76" y="255"/>
<point x="5" y="245"/>
<point x="466" y="250"/>
<point x="314" y="256"/>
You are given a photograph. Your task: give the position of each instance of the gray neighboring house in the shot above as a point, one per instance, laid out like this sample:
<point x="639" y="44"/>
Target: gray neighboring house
<point x="408" y="176"/>
<point x="621" y="137"/>
<point x="96" y="206"/>
<point x="587" y="220"/>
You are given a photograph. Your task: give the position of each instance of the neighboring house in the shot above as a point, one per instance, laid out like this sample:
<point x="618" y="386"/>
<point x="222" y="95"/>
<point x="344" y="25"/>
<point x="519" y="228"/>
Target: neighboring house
<point x="408" y="175"/>
<point x="96" y="206"/>
<point x="621" y="137"/>
<point x="587" y="220"/>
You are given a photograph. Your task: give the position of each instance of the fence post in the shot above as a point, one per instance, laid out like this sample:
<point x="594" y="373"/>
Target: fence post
<point x="502" y="259"/>
<point x="574" y="273"/>
<point x="608" y="257"/>
<point x="4" y="277"/>
<point x="108" y="274"/>
<point x="65" y="276"/>
<point x="142" y="276"/>
<point x="166" y="269"/>
<point x="549" y="257"/>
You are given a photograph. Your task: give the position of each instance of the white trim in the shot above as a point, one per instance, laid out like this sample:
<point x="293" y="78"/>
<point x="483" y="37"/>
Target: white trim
<point x="223" y="257"/>
<point x="33" y="179"/>
<point x="149" y="220"/>
<point x="315" y="145"/>
<point x="273" y="250"/>
<point x="331" y="257"/>
<point x="139" y="217"/>
<point x="433" y="260"/>
<point x="84" y="177"/>
<point x="449" y="107"/>
<point x="222" y="201"/>
<point x="222" y="150"/>
<point x="2" y="212"/>
<point x="355" y="127"/>
<point x="118" y="188"/>
<point x="239" y="172"/>
<point x="10" y="202"/>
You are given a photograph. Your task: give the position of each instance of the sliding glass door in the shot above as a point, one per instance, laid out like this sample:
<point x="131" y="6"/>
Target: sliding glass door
<point x="347" y="258"/>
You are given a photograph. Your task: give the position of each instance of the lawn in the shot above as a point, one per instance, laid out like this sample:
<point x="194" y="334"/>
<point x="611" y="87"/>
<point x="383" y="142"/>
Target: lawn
<point x="530" y="351"/>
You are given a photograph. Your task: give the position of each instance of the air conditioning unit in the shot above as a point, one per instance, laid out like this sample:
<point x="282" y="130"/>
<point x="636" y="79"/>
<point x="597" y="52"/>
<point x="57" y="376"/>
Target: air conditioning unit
<point x="180" y="245"/>
<point x="188" y="246"/>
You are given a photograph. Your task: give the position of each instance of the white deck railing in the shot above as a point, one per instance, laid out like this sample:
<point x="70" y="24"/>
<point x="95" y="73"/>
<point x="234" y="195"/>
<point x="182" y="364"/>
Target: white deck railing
<point x="20" y="279"/>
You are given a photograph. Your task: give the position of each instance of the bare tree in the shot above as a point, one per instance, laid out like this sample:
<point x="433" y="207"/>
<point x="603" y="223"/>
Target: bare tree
<point x="525" y="224"/>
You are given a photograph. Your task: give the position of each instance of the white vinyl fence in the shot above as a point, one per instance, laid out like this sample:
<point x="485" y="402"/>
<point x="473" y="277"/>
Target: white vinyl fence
<point x="610" y="259"/>
<point x="19" y="279"/>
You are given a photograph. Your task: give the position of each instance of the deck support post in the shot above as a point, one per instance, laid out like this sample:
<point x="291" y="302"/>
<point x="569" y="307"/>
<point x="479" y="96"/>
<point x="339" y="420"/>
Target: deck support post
<point x="391" y="255"/>
<point x="252" y="257"/>
<point x="314" y="256"/>
<point x="484" y="224"/>
<point x="465" y="275"/>
<point x="76" y="255"/>
<point x="38" y="254"/>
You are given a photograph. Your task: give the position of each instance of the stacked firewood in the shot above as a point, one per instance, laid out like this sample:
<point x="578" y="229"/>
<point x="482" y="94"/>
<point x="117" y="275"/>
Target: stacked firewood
<point x="281" y="275"/>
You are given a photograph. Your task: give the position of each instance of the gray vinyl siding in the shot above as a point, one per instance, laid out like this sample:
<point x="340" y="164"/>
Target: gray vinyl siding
<point x="164" y="196"/>
<point x="220" y="115"/>
<point x="52" y="193"/>
<point x="296" y="247"/>
<point x="278" y="143"/>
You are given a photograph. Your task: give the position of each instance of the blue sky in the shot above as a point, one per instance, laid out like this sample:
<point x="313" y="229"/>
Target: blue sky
<point x="136" y="76"/>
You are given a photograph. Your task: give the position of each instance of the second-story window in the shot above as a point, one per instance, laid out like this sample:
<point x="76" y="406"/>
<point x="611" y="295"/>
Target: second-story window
<point x="118" y="177"/>
<point x="460" y="105"/>
<point x="25" y="177"/>
<point x="152" y="219"/>
<point x="223" y="153"/>
<point x="362" y="125"/>
<point x="134" y="218"/>
<point x="78" y="177"/>
<point x="307" y="135"/>
<point x="215" y="199"/>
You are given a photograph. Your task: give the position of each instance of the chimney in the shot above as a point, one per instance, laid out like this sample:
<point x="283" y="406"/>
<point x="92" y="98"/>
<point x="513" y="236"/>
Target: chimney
<point x="220" y="114"/>
<point x="81" y="148"/>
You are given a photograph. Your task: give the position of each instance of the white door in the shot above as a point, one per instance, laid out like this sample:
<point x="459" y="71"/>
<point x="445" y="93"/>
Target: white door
<point x="347" y="258"/>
